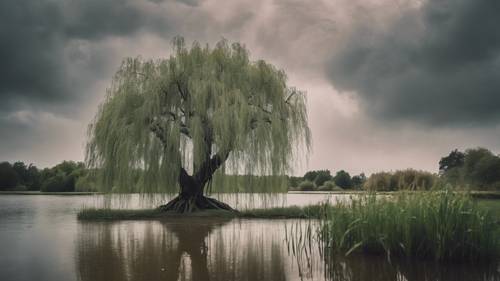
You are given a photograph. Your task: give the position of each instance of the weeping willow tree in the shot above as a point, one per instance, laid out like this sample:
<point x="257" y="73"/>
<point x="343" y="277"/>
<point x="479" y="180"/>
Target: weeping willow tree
<point x="169" y="125"/>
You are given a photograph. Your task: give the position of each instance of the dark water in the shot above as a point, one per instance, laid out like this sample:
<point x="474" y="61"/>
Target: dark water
<point x="40" y="239"/>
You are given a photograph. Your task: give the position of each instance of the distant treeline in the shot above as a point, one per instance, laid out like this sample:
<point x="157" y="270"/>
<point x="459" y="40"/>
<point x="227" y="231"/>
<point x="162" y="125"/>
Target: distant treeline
<point x="322" y="180"/>
<point x="475" y="169"/>
<point x="67" y="176"/>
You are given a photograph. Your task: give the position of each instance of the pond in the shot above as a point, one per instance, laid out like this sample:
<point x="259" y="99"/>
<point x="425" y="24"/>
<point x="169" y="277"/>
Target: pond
<point x="40" y="239"/>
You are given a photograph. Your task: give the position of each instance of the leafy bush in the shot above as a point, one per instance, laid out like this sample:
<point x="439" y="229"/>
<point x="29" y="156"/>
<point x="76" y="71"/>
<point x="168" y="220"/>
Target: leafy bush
<point x="322" y="177"/>
<point x="379" y="182"/>
<point x="86" y="183"/>
<point x="306" y="186"/>
<point x="408" y="179"/>
<point x="411" y="179"/>
<point x="59" y="183"/>
<point x="328" y="186"/>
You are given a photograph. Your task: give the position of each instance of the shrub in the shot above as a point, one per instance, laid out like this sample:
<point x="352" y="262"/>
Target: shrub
<point x="408" y="179"/>
<point x="59" y="183"/>
<point x="411" y="179"/>
<point x="438" y="225"/>
<point x="306" y="186"/>
<point x="322" y="177"/>
<point x="86" y="183"/>
<point x="318" y="176"/>
<point x="378" y="182"/>
<point x="328" y="186"/>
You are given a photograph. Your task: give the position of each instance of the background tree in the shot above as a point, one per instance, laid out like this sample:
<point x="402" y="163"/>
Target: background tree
<point x="62" y="177"/>
<point x="33" y="178"/>
<point x="481" y="168"/>
<point x="294" y="181"/>
<point x="322" y="177"/>
<point x="318" y="177"/>
<point x="310" y="175"/>
<point x="28" y="177"/>
<point x="454" y="160"/>
<point x="476" y="168"/>
<point x="21" y="170"/>
<point x="170" y="124"/>
<point x="8" y="176"/>
<point x="343" y="179"/>
<point x="358" y="180"/>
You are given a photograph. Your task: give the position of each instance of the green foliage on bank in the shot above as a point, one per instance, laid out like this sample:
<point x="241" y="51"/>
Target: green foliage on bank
<point x="322" y="180"/>
<point x="67" y="176"/>
<point x="437" y="225"/>
<point x="293" y="212"/>
<point x="408" y="179"/>
<point x="476" y="168"/>
<point x="473" y="169"/>
<point x="19" y="176"/>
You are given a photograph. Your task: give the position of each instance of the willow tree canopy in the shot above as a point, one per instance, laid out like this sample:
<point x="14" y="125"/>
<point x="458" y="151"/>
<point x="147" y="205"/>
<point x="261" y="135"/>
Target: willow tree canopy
<point x="172" y="123"/>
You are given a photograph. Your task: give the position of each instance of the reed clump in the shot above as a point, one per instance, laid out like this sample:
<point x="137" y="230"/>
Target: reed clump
<point x="438" y="225"/>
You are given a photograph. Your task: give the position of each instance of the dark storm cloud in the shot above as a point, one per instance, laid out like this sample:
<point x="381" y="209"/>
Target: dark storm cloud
<point x="30" y="44"/>
<point x="35" y="36"/>
<point x="53" y="54"/>
<point x="438" y="64"/>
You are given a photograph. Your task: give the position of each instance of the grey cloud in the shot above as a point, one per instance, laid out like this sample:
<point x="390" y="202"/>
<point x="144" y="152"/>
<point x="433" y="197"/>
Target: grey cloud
<point x="95" y="19"/>
<point x="59" y="56"/>
<point x="53" y="54"/>
<point x="30" y="44"/>
<point x="188" y="2"/>
<point x="437" y="65"/>
<point x="40" y="42"/>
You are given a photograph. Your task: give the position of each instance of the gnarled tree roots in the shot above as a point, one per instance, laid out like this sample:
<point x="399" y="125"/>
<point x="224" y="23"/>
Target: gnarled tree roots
<point x="182" y="204"/>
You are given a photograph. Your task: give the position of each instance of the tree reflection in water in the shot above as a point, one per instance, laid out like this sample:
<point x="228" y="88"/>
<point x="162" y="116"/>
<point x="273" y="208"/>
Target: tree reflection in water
<point x="240" y="250"/>
<point x="180" y="249"/>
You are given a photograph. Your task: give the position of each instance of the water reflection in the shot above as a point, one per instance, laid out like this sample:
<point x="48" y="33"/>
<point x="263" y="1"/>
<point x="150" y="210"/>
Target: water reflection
<point x="40" y="239"/>
<point x="216" y="249"/>
<point x="361" y="268"/>
<point x="182" y="249"/>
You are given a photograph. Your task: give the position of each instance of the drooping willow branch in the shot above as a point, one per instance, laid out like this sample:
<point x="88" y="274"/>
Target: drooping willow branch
<point x="203" y="112"/>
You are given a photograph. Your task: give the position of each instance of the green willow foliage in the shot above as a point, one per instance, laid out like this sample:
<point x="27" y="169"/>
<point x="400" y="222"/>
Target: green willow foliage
<point x="163" y="115"/>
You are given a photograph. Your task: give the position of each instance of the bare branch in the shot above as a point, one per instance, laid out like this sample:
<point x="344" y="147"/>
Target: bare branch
<point x="287" y="100"/>
<point x="185" y="130"/>
<point x="261" y="108"/>
<point x="181" y="93"/>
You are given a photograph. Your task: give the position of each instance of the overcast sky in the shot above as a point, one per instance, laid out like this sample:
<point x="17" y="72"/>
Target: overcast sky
<point x="391" y="84"/>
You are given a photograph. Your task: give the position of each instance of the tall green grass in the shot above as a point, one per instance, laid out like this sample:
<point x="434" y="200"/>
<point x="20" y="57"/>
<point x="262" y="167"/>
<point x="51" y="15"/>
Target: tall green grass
<point x="439" y="225"/>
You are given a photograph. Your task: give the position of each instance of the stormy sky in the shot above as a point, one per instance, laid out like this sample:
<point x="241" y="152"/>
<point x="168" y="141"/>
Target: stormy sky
<point x="391" y="84"/>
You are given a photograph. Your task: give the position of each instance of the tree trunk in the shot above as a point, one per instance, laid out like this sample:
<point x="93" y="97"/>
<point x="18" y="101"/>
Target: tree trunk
<point x="191" y="198"/>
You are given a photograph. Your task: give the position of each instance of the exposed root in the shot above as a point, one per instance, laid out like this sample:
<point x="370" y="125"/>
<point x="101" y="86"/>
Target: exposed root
<point x="194" y="204"/>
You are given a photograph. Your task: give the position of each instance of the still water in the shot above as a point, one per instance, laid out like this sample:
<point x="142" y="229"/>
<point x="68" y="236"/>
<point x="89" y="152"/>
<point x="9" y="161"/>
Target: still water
<point x="40" y="239"/>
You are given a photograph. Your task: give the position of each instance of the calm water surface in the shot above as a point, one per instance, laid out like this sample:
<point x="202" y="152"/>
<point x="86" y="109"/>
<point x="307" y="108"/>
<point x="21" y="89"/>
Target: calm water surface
<point x="40" y="239"/>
